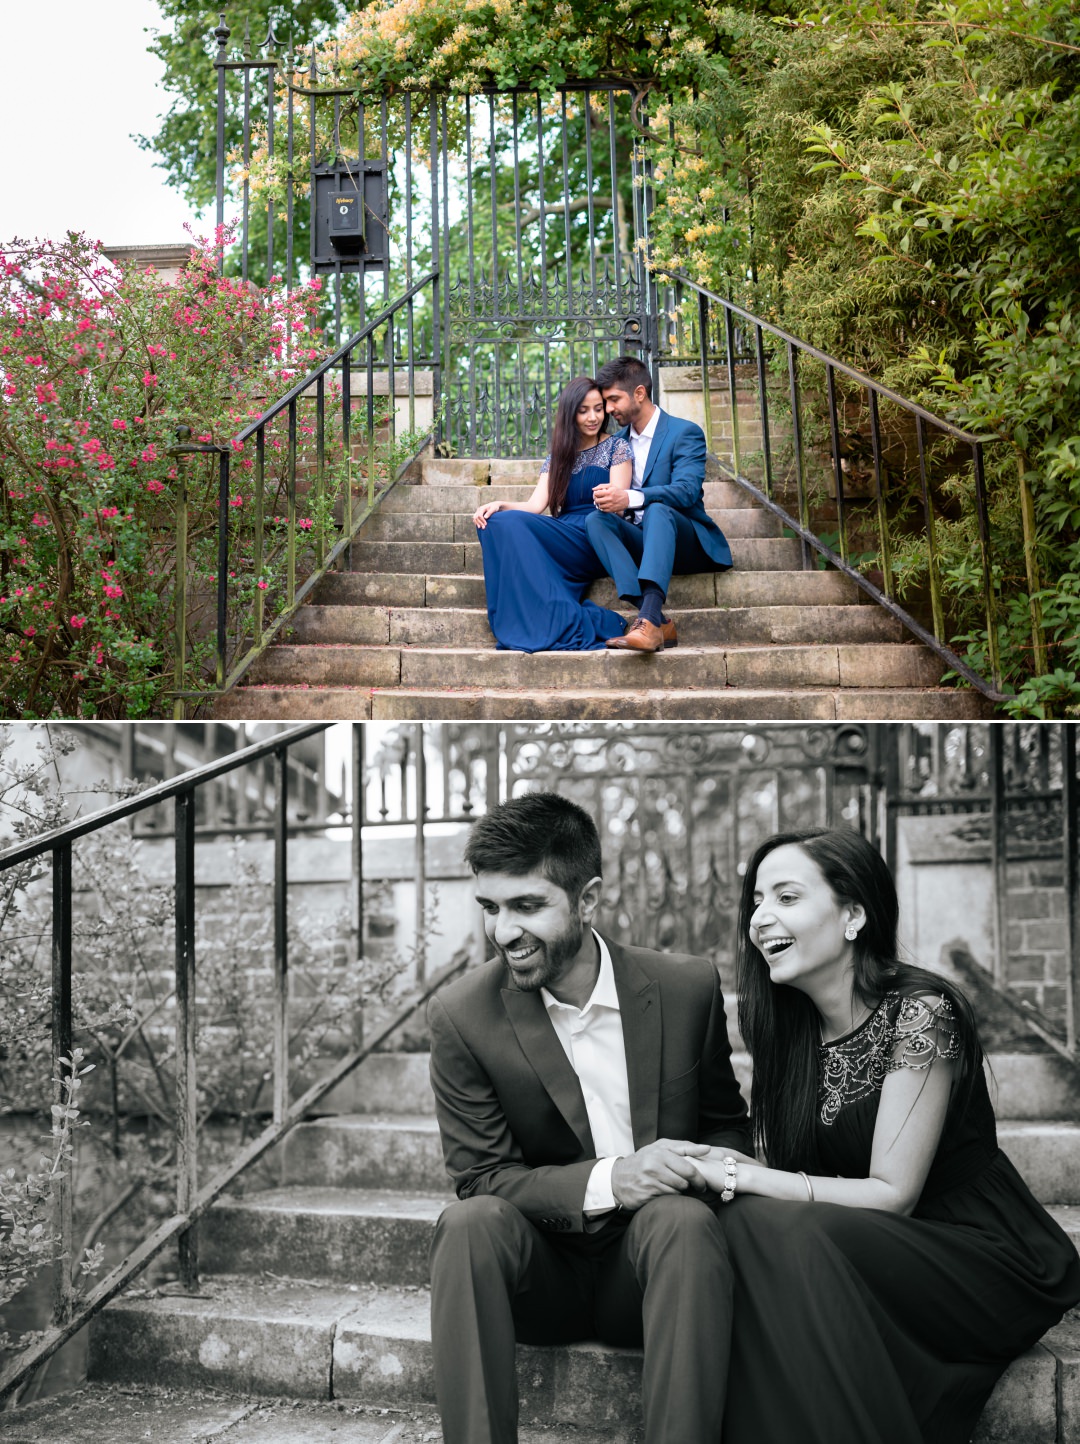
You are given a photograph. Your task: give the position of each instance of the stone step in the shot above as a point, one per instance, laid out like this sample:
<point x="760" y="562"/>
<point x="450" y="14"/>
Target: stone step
<point x="115" y="1414"/>
<point x="716" y="496"/>
<point x="701" y="589"/>
<point x="478" y="471"/>
<point x="395" y="1152"/>
<point x="871" y="665"/>
<point x="420" y="526"/>
<point x="430" y="626"/>
<point x="1024" y="1087"/>
<point x="348" y="1235"/>
<point x="392" y="703"/>
<point x="1047" y="1155"/>
<point x="374" y="1346"/>
<point x="754" y="554"/>
<point x="386" y="1151"/>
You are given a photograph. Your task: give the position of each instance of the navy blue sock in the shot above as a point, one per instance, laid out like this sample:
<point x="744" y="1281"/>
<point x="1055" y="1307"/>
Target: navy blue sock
<point x="652" y="603"/>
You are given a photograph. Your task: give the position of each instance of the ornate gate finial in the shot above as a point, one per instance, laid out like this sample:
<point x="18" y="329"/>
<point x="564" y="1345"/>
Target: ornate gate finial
<point x="221" y="35"/>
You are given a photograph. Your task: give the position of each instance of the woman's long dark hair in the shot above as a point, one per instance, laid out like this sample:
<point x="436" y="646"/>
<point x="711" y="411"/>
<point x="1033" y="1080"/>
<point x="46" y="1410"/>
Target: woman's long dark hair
<point x="564" y="439"/>
<point x="780" y="1025"/>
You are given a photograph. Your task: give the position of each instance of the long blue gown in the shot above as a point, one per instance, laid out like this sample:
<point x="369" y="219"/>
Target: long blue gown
<point x="537" y="568"/>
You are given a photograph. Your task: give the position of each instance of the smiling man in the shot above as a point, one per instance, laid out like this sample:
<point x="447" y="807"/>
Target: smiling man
<point x="574" y="1079"/>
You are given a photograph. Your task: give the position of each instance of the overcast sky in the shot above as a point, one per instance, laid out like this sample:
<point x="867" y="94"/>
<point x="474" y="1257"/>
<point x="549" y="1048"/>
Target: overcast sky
<point x="78" y="84"/>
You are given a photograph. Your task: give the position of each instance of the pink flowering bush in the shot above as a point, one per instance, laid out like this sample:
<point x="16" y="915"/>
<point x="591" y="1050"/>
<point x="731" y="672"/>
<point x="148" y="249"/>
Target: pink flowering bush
<point x="98" y="367"/>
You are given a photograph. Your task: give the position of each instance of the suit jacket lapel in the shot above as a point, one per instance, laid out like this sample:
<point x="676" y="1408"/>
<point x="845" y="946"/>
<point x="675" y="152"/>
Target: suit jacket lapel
<point x="642" y="1025"/>
<point x="540" y="1044"/>
<point x="658" y="441"/>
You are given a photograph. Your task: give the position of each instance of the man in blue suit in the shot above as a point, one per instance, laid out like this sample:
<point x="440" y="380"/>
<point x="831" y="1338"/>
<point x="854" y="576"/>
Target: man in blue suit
<point x="666" y="529"/>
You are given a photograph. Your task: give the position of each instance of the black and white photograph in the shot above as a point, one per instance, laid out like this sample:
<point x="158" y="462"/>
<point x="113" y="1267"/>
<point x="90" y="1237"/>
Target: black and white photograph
<point x="539" y="704"/>
<point x="544" y="1082"/>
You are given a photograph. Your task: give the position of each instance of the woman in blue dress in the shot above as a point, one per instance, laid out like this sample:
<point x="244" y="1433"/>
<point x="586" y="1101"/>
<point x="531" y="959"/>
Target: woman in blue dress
<point x="538" y="568"/>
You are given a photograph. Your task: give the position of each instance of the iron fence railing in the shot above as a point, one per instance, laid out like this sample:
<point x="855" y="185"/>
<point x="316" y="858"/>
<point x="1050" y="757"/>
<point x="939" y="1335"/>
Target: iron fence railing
<point x="775" y="382"/>
<point x="270" y="563"/>
<point x="1019" y="783"/>
<point x="193" y="1198"/>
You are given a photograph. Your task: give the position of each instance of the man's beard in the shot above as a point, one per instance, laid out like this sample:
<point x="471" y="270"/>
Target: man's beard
<point x="546" y="966"/>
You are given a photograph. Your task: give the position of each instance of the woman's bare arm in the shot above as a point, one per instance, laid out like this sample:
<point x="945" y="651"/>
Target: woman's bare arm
<point x="536" y="503"/>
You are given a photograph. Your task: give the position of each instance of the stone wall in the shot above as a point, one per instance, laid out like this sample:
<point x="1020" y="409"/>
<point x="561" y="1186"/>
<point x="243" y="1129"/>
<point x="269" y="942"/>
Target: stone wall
<point x="945" y="879"/>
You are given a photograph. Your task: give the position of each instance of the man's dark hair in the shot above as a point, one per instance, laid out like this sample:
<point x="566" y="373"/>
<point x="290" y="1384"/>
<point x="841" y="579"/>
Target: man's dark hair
<point x="537" y="832"/>
<point x="627" y="373"/>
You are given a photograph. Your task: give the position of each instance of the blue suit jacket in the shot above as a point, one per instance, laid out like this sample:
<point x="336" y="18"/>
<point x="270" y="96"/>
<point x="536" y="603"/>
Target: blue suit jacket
<point x="675" y="476"/>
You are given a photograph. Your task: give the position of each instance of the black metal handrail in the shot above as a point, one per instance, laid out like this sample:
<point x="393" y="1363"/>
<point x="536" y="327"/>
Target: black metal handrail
<point x="192" y="1201"/>
<point x="729" y="356"/>
<point x="255" y="626"/>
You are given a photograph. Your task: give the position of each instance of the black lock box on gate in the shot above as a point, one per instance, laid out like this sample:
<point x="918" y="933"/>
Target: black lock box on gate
<point x="349" y="215"/>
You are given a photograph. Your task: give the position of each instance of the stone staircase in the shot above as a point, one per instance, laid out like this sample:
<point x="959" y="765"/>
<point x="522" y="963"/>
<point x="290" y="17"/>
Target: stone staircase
<point x="403" y="633"/>
<point x="350" y="1207"/>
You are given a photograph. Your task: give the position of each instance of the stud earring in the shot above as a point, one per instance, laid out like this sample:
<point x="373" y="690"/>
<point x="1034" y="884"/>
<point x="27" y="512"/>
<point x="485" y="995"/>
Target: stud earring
<point x="851" y="932"/>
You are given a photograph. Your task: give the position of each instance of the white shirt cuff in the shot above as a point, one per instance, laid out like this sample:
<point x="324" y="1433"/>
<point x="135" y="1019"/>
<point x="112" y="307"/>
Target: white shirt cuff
<point x="635" y="498"/>
<point x="598" y="1195"/>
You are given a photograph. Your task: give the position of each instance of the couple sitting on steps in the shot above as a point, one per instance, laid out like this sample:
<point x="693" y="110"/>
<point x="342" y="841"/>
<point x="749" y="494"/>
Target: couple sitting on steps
<point x="628" y="505"/>
<point x="867" y="1283"/>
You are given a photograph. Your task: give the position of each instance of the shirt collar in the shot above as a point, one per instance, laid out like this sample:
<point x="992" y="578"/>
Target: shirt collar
<point x="650" y="429"/>
<point x="604" y="993"/>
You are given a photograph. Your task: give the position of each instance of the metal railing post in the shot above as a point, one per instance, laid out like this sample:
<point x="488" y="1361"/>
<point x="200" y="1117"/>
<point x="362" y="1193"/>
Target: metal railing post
<point x="221" y="35"/>
<point x="186" y="1068"/>
<point x="1070" y="803"/>
<point x="706" y="379"/>
<point x="62" y="1063"/>
<point x="999" y="850"/>
<point x="358" y="784"/>
<point x="421" y="854"/>
<point x="281" y="933"/>
<point x="223" y="565"/>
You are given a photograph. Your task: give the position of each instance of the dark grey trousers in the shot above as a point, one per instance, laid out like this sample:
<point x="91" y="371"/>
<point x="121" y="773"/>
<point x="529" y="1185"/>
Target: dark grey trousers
<point x="663" y="1281"/>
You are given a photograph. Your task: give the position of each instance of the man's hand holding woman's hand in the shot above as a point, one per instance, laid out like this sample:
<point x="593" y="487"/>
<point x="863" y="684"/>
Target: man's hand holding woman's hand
<point x="609" y="498"/>
<point x="661" y="1167"/>
<point x="481" y="514"/>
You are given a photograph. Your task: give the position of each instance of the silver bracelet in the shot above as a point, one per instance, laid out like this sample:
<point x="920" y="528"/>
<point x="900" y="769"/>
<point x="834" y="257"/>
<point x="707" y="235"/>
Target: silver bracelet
<point x="731" y="1179"/>
<point x="809" y="1187"/>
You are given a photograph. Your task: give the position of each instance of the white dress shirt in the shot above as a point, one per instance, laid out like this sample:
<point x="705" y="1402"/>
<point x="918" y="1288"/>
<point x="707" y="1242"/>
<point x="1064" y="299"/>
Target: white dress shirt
<point x="640" y="445"/>
<point x="592" y="1039"/>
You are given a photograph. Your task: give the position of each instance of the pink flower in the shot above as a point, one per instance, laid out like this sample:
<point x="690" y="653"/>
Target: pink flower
<point x="150" y="453"/>
<point x="46" y="394"/>
<point x="154" y="486"/>
<point x="236" y="501"/>
<point x="262" y="586"/>
<point x="305" y="523"/>
<point x="114" y="591"/>
<point x="119" y="425"/>
<point x="38" y="520"/>
<point x="149" y="379"/>
<point x="77" y="622"/>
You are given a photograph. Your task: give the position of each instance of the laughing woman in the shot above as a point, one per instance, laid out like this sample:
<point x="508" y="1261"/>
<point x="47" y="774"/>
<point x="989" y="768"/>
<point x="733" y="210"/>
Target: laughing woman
<point x="890" y="1261"/>
<point x="538" y="568"/>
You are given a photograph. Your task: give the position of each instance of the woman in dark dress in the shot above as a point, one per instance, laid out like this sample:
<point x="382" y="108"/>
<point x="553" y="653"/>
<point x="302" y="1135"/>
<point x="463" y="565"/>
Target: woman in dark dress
<point x="889" y="1261"/>
<point x="538" y="568"/>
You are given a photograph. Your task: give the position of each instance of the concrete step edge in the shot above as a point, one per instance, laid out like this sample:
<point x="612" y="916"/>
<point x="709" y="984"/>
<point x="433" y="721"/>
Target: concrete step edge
<point x="374" y="1344"/>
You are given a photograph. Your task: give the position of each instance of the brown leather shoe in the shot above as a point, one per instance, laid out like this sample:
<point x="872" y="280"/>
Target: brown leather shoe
<point x="641" y="636"/>
<point x="669" y="634"/>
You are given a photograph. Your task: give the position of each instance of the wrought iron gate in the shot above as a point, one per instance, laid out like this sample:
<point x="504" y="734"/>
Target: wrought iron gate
<point x="680" y="809"/>
<point x="534" y="211"/>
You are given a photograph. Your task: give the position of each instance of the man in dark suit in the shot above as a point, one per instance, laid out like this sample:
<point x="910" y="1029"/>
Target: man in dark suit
<point x="574" y="1081"/>
<point x="667" y="529"/>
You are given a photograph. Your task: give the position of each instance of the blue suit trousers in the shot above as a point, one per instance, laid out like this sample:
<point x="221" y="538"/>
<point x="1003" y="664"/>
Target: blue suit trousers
<point x="664" y="544"/>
